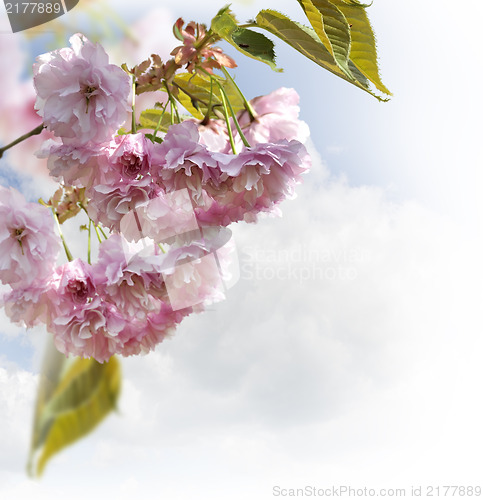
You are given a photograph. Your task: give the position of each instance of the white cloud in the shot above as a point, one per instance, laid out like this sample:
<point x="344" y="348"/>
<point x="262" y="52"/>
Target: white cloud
<point x="17" y="390"/>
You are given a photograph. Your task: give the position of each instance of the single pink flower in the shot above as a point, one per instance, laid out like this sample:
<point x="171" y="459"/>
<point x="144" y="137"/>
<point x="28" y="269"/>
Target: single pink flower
<point x="79" y="94"/>
<point x="81" y="321"/>
<point x="130" y="155"/>
<point x="27" y="306"/>
<point x="182" y="162"/>
<point x="276" y="119"/>
<point x="161" y="218"/>
<point x="131" y="280"/>
<point x="145" y="336"/>
<point x="73" y="164"/>
<point x="121" y="180"/>
<point x="28" y="244"/>
<point x="108" y="204"/>
<point x="256" y="180"/>
<point x="192" y="272"/>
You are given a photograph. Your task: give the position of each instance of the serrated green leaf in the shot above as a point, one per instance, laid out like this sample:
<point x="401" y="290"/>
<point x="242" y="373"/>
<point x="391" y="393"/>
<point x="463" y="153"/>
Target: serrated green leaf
<point x="302" y="39"/>
<point x="248" y="42"/>
<point x="85" y="394"/>
<point x="363" y="43"/>
<point x="306" y="41"/>
<point x="332" y="28"/>
<point x="224" y="23"/>
<point x="255" y="45"/>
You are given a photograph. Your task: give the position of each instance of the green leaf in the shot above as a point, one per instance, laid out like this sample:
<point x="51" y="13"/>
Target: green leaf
<point x="363" y="43"/>
<point x="84" y="395"/>
<point x="302" y="39"/>
<point x="331" y="27"/>
<point x="194" y="93"/>
<point x="154" y="138"/>
<point x="306" y="41"/>
<point x="150" y="119"/>
<point x="53" y="365"/>
<point x="248" y="42"/>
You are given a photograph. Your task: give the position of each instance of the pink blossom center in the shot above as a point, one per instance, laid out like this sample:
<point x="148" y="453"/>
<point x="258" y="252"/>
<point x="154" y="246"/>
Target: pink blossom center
<point x="18" y="233"/>
<point x="88" y="90"/>
<point x="132" y="165"/>
<point x="79" y="291"/>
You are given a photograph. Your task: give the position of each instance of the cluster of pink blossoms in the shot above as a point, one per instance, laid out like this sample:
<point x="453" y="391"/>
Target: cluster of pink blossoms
<point x="166" y="206"/>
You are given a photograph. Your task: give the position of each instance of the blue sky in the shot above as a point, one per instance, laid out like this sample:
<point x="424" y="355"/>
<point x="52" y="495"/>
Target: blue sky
<point x="365" y="373"/>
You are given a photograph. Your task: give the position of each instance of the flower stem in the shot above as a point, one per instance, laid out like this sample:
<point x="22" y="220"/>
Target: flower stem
<point x="96" y="227"/>
<point x="247" y="105"/>
<point x="102" y="232"/>
<point x="227" y="119"/>
<point x="133" y="122"/>
<point x="160" y="120"/>
<point x="66" y="248"/>
<point x="237" y="125"/>
<point x="89" y="243"/>
<point x="173" y="104"/>
<point x="97" y="233"/>
<point x="35" y="131"/>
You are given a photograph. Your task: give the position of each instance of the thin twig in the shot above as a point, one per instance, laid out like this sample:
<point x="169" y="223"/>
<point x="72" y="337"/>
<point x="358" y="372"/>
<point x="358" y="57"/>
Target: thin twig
<point x="35" y="131"/>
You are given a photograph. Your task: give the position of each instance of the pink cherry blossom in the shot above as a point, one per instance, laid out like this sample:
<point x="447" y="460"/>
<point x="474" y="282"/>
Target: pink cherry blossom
<point x="28" y="243"/>
<point x="161" y="218"/>
<point x="79" y="94"/>
<point x="267" y="171"/>
<point x="73" y="163"/>
<point x="130" y="155"/>
<point x="182" y="162"/>
<point x="192" y="272"/>
<point x="109" y="204"/>
<point x="27" y="306"/>
<point x="131" y="280"/>
<point x="121" y="180"/>
<point x="81" y="322"/>
<point x="214" y="135"/>
<point x="276" y="119"/>
<point x="256" y="180"/>
<point x="145" y="336"/>
<point x="93" y="331"/>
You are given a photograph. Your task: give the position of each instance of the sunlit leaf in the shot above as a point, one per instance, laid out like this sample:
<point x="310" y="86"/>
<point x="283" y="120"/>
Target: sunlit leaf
<point x="302" y="39"/>
<point x="155" y="119"/>
<point x="53" y="365"/>
<point x="363" y="43"/>
<point x="85" y="393"/>
<point x="194" y="93"/>
<point x="306" y="41"/>
<point x="331" y="27"/>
